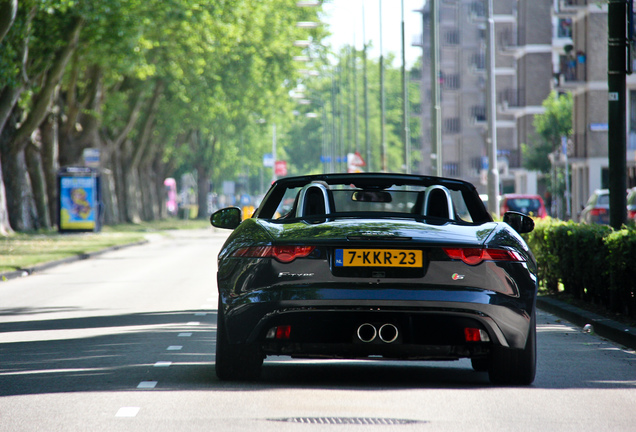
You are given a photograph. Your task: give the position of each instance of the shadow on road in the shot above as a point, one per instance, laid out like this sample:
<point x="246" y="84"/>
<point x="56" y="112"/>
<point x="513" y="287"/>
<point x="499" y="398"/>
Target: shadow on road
<point x="117" y="352"/>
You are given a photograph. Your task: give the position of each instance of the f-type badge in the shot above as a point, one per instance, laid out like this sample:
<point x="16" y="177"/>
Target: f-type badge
<point x="457" y="276"/>
<point x="294" y="275"/>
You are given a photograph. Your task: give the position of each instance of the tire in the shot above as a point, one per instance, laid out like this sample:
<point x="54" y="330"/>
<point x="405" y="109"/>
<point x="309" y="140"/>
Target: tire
<point x="509" y="366"/>
<point x="235" y="362"/>
<point x="479" y="364"/>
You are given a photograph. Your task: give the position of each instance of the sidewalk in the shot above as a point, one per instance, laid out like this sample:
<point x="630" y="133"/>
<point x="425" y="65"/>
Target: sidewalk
<point x="603" y="326"/>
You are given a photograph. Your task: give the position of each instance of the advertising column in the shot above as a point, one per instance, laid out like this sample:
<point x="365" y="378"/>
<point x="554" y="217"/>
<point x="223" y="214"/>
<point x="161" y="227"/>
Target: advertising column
<point x="79" y="200"/>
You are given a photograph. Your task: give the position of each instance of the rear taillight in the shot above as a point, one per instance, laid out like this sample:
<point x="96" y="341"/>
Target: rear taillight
<point x="476" y="335"/>
<point x="631" y="214"/>
<point x="598" y="212"/>
<point x="474" y="256"/>
<point x="284" y="254"/>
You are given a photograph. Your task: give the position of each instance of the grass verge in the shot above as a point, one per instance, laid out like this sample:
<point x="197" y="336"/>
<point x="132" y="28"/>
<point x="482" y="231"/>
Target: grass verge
<point x="25" y="250"/>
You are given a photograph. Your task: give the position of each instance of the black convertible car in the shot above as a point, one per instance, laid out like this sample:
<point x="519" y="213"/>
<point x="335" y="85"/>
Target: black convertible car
<point x="376" y="266"/>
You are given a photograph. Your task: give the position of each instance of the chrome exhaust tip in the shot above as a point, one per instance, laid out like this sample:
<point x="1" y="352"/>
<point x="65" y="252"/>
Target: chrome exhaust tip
<point x="367" y="332"/>
<point x="388" y="333"/>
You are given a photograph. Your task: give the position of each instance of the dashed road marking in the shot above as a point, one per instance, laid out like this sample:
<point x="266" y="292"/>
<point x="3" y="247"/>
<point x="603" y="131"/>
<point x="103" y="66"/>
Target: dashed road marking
<point x="147" y="385"/>
<point x="174" y="348"/>
<point x="185" y="334"/>
<point x="127" y="412"/>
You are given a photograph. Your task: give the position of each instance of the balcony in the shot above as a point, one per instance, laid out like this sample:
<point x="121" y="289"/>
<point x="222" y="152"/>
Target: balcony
<point x="511" y="98"/>
<point x="572" y="70"/>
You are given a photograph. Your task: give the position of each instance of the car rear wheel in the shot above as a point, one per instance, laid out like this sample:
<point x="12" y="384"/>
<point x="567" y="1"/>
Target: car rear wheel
<point x="479" y="364"/>
<point x="235" y="362"/>
<point x="510" y="366"/>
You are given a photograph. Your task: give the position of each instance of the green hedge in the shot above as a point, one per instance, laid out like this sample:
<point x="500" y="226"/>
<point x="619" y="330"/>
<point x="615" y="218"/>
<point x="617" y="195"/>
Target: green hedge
<point x="592" y="262"/>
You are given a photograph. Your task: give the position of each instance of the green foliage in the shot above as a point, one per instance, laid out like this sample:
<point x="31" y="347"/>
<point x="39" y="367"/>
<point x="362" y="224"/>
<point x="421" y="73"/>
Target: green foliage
<point x="550" y="126"/>
<point x="593" y="262"/>
<point x="339" y="125"/>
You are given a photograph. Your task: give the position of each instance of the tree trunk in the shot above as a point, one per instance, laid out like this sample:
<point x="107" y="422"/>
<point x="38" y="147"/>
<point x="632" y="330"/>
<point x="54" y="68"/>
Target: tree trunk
<point x="5" y="226"/>
<point x="132" y="193"/>
<point x="203" y="188"/>
<point x="42" y="101"/>
<point x="86" y="113"/>
<point x="18" y="191"/>
<point x="16" y="181"/>
<point x="49" y="155"/>
<point x="204" y="173"/>
<point x="8" y="11"/>
<point x="38" y="185"/>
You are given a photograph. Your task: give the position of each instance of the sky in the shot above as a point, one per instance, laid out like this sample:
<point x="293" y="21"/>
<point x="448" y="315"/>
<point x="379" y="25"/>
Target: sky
<point x="345" y="21"/>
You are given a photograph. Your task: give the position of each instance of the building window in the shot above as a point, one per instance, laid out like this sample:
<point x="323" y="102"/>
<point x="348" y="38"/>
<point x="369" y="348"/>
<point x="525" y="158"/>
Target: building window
<point x="564" y="29"/>
<point x="452" y="37"/>
<point x="452" y="125"/>
<point x="478" y="113"/>
<point x="451" y="169"/>
<point x="477" y="9"/>
<point x="479" y="61"/>
<point x="449" y="81"/>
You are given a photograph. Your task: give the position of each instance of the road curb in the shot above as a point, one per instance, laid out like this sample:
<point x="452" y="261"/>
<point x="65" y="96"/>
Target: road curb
<point x="619" y="333"/>
<point x="41" y="267"/>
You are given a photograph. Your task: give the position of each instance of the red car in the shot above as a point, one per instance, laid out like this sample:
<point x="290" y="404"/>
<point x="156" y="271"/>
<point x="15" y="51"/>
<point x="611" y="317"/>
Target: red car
<point x="531" y="205"/>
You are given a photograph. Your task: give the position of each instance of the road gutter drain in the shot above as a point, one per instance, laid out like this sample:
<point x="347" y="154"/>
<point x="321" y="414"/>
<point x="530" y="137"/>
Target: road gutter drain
<point x="368" y="421"/>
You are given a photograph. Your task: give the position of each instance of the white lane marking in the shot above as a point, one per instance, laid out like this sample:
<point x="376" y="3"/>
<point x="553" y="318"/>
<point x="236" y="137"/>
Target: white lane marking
<point x="193" y="323"/>
<point x="147" y="384"/>
<point x="127" y="412"/>
<point x="163" y="364"/>
<point x="185" y="334"/>
<point x="174" y="348"/>
<point x="200" y="314"/>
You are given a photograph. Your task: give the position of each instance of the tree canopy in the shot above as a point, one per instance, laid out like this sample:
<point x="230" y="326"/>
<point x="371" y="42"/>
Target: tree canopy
<point x="166" y="87"/>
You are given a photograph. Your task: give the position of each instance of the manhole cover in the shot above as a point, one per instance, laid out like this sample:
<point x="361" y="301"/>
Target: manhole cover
<point x="347" y="420"/>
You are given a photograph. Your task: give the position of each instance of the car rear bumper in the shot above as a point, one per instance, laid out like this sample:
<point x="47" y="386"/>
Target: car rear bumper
<point x="430" y="322"/>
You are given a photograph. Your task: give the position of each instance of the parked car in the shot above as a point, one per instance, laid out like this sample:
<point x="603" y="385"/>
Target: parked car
<point x="376" y="266"/>
<point x="631" y="204"/>
<point x="532" y="205"/>
<point x="597" y="208"/>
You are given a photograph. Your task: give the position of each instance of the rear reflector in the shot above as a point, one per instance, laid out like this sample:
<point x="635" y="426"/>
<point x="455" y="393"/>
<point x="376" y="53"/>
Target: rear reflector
<point x="280" y="332"/>
<point x="284" y="254"/>
<point x="475" y="335"/>
<point x="474" y="256"/>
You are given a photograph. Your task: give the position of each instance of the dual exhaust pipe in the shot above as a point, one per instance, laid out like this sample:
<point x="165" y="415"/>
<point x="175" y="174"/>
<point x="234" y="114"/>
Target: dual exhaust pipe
<point x="387" y="333"/>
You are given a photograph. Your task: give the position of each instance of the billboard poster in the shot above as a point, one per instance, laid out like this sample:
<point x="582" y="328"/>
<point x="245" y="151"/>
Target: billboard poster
<point x="78" y="198"/>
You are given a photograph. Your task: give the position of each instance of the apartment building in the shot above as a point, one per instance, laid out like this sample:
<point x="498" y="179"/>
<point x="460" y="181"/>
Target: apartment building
<point x="523" y="44"/>
<point x="580" y="65"/>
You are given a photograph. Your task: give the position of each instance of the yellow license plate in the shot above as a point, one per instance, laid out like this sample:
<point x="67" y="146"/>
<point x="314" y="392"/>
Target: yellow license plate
<point x="378" y="258"/>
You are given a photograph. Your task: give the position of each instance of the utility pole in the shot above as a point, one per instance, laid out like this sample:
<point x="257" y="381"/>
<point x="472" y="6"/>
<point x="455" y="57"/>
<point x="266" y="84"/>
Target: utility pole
<point x="365" y="84"/>
<point x="436" y="109"/>
<point x="617" y="67"/>
<point x="382" y="107"/>
<point x="491" y="110"/>
<point x="405" y="106"/>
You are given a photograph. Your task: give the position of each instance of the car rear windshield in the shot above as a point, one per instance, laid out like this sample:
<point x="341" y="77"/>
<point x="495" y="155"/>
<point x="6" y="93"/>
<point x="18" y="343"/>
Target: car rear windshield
<point x="523" y="205"/>
<point x="348" y="200"/>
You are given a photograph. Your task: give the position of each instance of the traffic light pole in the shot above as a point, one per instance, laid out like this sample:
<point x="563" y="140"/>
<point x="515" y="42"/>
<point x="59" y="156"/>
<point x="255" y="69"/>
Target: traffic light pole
<point x="617" y="67"/>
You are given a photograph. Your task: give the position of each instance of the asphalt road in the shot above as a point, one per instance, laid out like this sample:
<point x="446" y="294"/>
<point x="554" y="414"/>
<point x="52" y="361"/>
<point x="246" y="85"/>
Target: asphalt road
<point x="125" y="342"/>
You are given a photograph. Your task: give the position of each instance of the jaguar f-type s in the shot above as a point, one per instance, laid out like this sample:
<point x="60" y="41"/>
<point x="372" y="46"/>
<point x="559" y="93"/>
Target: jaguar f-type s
<point x="376" y="266"/>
